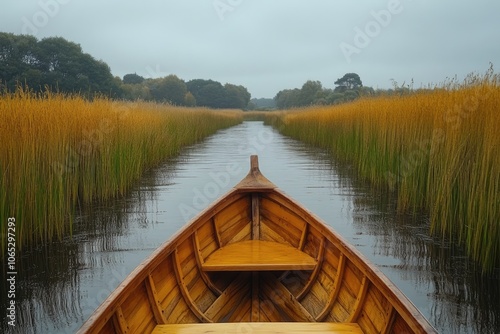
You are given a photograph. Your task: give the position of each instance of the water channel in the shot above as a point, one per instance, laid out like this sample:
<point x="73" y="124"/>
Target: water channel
<point x="59" y="285"/>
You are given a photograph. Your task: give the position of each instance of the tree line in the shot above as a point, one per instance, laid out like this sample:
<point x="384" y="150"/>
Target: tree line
<point x="60" y="65"/>
<point x="52" y="63"/>
<point x="348" y="88"/>
<point x="197" y="92"/>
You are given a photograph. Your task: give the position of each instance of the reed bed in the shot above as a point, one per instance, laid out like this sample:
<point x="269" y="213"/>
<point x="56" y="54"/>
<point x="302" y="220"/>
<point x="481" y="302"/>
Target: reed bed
<point x="438" y="149"/>
<point x="57" y="152"/>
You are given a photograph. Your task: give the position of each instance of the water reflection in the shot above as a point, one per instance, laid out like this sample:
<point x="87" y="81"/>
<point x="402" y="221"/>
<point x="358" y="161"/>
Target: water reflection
<point x="51" y="293"/>
<point x="460" y="298"/>
<point x="59" y="285"/>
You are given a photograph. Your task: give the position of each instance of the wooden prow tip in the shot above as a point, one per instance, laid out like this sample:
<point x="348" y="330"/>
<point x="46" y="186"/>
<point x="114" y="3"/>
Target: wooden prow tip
<point x="254" y="163"/>
<point x="254" y="179"/>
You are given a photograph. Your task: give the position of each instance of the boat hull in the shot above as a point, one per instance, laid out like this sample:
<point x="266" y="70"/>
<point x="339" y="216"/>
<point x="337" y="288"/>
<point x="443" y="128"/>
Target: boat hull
<point x="258" y="257"/>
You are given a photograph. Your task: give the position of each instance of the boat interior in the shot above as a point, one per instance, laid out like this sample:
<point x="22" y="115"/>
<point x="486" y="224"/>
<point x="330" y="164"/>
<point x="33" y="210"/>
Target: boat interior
<point x="256" y="262"/>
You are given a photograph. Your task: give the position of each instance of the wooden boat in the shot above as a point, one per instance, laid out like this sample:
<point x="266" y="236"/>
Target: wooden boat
<point x="256" y="261"/>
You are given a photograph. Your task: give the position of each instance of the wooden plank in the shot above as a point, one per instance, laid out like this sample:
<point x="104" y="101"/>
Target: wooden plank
<point x="270" y="234"/>
<point x="200" y="261"/>
<point x="255" y="217"/>
<point x="331" y="258"/>
<point x="171" y="301"/>
<point x="299" y="214"/>
<point x="283" y="222"/>
<point x="234" y="233"/>
<point x="207" y="239"/>
<point x="295" y="280"/>
<point x="238" y="290"/>
<point x="163" y="279"/>
<point x="121" y="325"/>
<point x="182" y="314"/>
<point x="388" y="325"/>
<point x="353" y="278"/>
<point x="166" y="286"/>
<point x="376" y="312"/>
<point x="260" y="328"/>
<point x="242" y="313"/>
<point x="314" y="274"/>
<point x="201" y="295"/>
<point x="312" y="242"/>
<point x="217" y="233"/>
<point x="335" y="290"/>
<point x="359" y="300"/>
<point x="255" y="316"/>
<point x="245" y="233"/>
<point x="268" y="309"/>
<point x="319" y="295"/>
<point x="154" y="300"/>
<point x="337" y="314"/>
<point x="256" y="255"/>
<point x="137" y="309"/>
<point x="303" y="237"/>
<point x="109" y="327"/>
<point x="185" y="255"/>
<point x="184" y="291"/>
<point x="400" y="325"/>
<point x="232" y="215"/>
<point x="282" y="298"/>
<point x="191" y="274"/>
<point x="278" y="211"/>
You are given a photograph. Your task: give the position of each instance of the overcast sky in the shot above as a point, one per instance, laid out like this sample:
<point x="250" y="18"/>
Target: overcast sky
<point x="270" y="45"/>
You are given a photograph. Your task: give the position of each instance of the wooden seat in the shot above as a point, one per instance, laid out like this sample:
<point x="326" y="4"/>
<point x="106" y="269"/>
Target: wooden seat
<point x="258" y="255"/>
<point x="259" y="328"/>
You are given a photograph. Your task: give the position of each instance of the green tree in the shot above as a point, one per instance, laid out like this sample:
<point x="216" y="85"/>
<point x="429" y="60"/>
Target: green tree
<point x="350" y="81"/>
<point x="335" y="98"/>
<point x="237" y="97"/>
<point x="136" y="92"/>
<point x="170" y="89"/>
<point x="212" y="94"/>
<point x="197" y="87"/>
<point x="288" y="98"/>
<point x="132" y="79"/>
<point x="18" y="55"/>
<point x="53" y="62"/>
<point x="189" y="100"/>
<point x="350" y="95"/>
<point x="310" y="92"/>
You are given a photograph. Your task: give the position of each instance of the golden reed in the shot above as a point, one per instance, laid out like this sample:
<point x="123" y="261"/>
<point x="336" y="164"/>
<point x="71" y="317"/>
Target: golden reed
<point x="57" y="151"/>
<point x="439" y="149"/>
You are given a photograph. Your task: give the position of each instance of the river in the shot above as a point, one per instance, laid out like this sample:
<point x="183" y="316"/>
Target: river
<point x="59" y="285"/>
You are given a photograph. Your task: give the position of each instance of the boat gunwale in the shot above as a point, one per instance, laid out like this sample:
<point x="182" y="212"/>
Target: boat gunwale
<point x="140" y="273"/>
<point x="397" y="298"/>
<point x="400" y="302"/>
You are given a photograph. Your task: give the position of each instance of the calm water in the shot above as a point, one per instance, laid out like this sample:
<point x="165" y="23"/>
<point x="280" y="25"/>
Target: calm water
<point x="58" y="286"/>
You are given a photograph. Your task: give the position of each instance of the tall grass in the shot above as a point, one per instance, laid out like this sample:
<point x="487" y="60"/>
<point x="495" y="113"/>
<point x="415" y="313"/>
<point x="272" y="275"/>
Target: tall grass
<point x="57" y="152"/>
<point x="439" y="150"/>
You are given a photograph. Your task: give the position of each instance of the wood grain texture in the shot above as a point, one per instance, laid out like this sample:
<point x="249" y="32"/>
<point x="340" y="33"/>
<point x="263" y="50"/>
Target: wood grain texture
<point x="257" y="255"/>
<point x="260" y="328"/>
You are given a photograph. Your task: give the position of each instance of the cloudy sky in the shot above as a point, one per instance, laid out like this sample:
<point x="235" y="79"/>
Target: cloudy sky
<point x="270" y="45"/>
